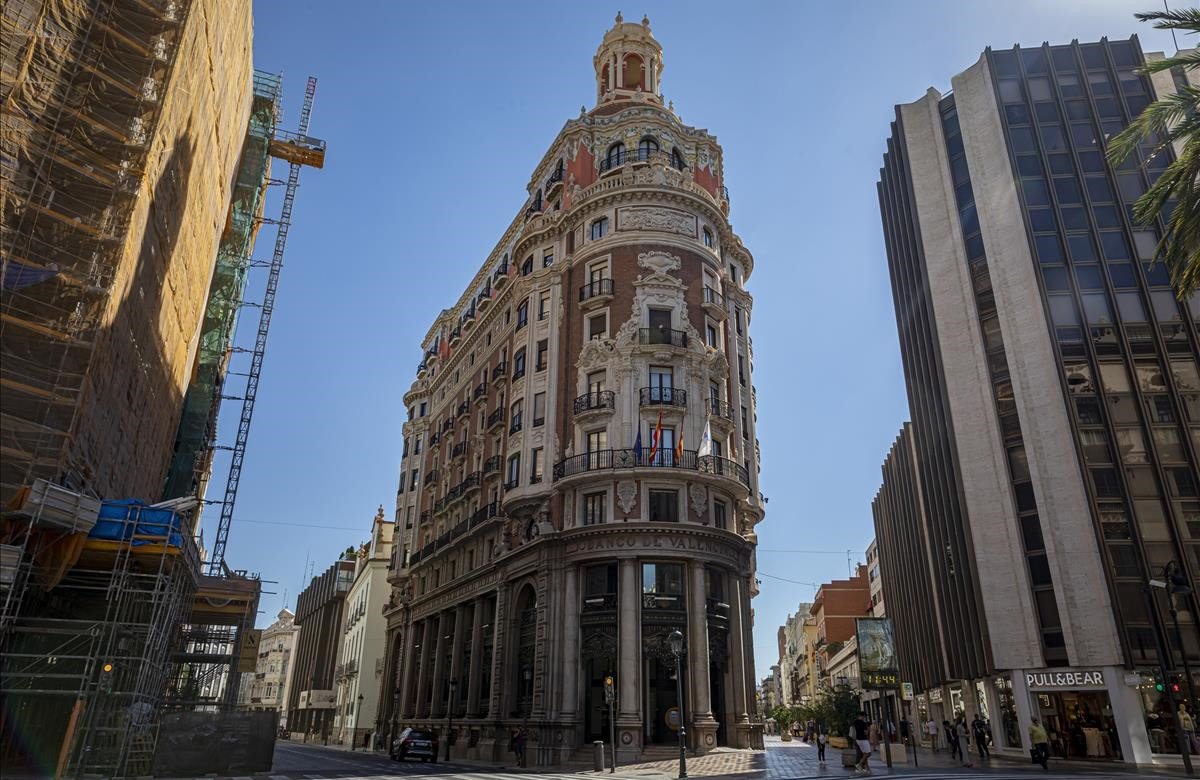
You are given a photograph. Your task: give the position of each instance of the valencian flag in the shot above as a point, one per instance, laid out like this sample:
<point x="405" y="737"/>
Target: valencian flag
<point x="705" y="448"/>
<point x="637" y="445"/>
<point x="654" y="442"/>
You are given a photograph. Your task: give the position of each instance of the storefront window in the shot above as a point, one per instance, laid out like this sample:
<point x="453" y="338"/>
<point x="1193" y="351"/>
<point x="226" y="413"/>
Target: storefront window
<point x="1080" y="724"/>
<point x="1009" y="729"/>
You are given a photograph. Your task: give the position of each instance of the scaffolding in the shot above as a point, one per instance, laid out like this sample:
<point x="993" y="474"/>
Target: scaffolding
<point x="80" y="99"/>
<point x="91" y="613"/>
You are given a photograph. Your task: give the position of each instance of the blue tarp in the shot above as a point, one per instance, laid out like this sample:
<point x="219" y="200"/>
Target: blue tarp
<point x="122" y="520"/>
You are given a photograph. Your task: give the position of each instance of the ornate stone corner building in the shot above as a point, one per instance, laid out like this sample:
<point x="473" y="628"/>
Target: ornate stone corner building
<point x="539" y="548"/>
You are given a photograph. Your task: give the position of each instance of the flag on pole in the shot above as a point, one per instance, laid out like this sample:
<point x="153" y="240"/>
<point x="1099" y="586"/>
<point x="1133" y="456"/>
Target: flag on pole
<point x="679" y="448"/>
<point x="637" y="445"/>
<point x="657" y="439"/>
<point x="705" y="448"/>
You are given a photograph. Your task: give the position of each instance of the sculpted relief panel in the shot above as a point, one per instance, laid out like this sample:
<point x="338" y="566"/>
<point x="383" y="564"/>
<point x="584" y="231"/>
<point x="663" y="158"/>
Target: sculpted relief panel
<point x="647" y="218"/>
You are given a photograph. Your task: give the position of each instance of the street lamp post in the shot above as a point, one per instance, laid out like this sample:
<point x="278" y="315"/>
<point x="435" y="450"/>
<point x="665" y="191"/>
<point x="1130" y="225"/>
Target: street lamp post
<point x="1177" y="585"/>
<point x="1164" y="656"/>
<point x="676" y="640"/>
<point x="450" y="717"/>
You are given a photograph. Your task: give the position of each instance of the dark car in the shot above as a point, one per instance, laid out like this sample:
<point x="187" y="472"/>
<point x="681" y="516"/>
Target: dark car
<point x="415" y="743"/>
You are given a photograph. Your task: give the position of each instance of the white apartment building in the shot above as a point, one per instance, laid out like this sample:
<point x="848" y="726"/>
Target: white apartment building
<point x="359" y="674"/>
<point x="267" y="687"/>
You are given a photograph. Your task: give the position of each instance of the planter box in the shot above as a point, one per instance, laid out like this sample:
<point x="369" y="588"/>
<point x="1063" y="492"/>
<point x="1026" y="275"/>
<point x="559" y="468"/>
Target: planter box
<point x="786" y="736"/>
<point x="839" y="743"/>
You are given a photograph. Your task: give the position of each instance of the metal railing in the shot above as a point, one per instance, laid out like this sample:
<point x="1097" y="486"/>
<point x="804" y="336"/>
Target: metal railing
<point x="499" y="370"/>
<point x="495" y="418"/>
<point x="492" y="464"/>
<point x="596" y="288"/>
<point x="613" y="161"/>
<point x="714" y="297"/>
<point x="675" y="338"/>
<point x="720" y="409"/>
<point x="480" y="390"/>
<point x="518" y="422"/>
<point x="600" y="603"/>
<point x="662" y="396"/>
<point x="459" y="449"/>
<point x="604" y="460"/>
<point x="595" y="400"/>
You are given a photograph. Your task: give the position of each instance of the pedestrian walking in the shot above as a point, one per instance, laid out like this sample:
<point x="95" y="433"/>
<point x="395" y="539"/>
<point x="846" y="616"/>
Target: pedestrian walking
<point x="861" y="729"/>
<point x="1041" y="744"/>
<point x="979" y="730"/>
<point x="822" y="739"/>
<point x="517" y="745"/>
<point x="1187" y="724"/>
<point x="932" y="728"/>
<point x="955" y="740"/>
<point x="874" y="736"/>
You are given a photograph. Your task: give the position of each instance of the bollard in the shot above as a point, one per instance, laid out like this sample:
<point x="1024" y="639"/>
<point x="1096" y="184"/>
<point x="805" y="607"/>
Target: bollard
<point x="598" y="755"/>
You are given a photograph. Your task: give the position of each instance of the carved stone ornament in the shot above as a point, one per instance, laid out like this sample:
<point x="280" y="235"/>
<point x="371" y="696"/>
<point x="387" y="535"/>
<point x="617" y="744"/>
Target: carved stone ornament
<point x="626" y="495"/>
<point x="595" y="353"/>
<point x="659" y="262"/>
<point x="699" y="499"/>
<point x="667" y="220"/>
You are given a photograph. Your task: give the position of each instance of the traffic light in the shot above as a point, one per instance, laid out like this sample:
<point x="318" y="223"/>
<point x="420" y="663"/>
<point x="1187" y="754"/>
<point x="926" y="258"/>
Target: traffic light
<point x="105" y="683"/>
<point x="610" y="692"/>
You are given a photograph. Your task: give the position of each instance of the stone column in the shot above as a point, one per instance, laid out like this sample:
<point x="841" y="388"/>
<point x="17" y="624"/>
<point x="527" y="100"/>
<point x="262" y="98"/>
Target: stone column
<point x="570" y="637"/>
<point x="476" y="671"/>
<point x="737" y="664"/>
<point x="456" y="654"/>
<point x="701" y="725"/>
<point x="437" y="708"/>
<point x="420" y="703"/>
<point x="493" y="742"/>
<point x="629" y="654"/>
<point x="406" y="670"/>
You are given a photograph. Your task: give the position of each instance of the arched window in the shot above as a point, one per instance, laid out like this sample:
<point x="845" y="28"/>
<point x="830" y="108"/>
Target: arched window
<point x="603" y="80"/>
<point x="646" y="147"/>
<point x="634" y="77"/>
<point x="599" y="228"/>
<point x="615" y="156"/>
<point x="708" y="238"/>
<point x="677" y="159"/>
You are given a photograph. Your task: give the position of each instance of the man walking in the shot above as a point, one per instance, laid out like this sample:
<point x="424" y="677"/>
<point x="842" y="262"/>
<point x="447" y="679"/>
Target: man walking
<point x="1041" y="744"/>
<point x="932" y="728"/>
<point x="979" y="730"/>
<point x="861" y="728"/>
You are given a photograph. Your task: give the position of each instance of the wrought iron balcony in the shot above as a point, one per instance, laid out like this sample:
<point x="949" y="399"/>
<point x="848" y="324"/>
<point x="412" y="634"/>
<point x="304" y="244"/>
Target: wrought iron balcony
<point x="518" y="422"/>
<point x="480" y="390"/>
<point x="595" y="401"/>
<point x="492" y="464"/>
<point x="448" y="423"/>
<point x="495" y="418"/>
<point x="714" y="302"/>
<point x="426" y="515"/>
<point x="600" y="603"/>
<point x="674" y="338"/>
<point x="500" y="275"/>
<point x="596" y="289"/>
<point x="471" y="481"/>
<point x="500" y="370"/>
<point x="484" y="295"/>
<point x="718" y="408"/>
<point x="510" y="485"/>
<point x="431" y="477"/>
<point x="606" y="460"/>
<point x="554" y="178"/>
<point x="458" y="450"/>
<point x="663" y="396"/>
<point x="483" y="514"/>
<point x="456" y="334"/>
<point x="463" y="408"/>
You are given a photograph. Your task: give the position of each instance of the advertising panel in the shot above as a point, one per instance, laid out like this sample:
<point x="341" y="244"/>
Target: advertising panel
<point x="877" y="662"/>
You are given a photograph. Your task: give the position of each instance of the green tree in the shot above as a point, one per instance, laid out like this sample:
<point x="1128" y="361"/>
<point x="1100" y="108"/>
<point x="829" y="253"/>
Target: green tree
<point x="784" y="718"/>
<point x="1173" y="118"/>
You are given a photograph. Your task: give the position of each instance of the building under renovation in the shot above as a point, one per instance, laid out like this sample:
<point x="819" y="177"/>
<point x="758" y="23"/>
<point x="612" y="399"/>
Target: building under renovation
<point x="135" y="141"/>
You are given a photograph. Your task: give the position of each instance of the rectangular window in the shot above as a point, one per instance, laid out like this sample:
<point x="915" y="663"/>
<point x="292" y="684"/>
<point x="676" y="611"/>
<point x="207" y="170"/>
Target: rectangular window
<point x="597" y="441"/>
<point x="516" y="414"/>
<point x="543" y="349"/>
<point x="519" y="364"/>
<point x="595" y="508"/>
<point x="663" y="506"/>
<point x="742" y="370"/>
<point x="745" y="425"/>
<point x="737" y="315"/>
<point x="712" y="335"/>
<point x="547" y="260"/>
<point x="514" y="471"/>
<point x="412" y="483"/>
<point x="539" y="409"/>
<point x="536" y="465"/>
<point x="596" y="381"/>
<point x="719" y="514"/>
<point x="659" y="319"/>
<point x="522" y="314"/>
<point x="662" y="378"/>
<point x="598" y="326"/>
<point x="424" y="408"/>
<point x="597" y="272"/>
<point x="665" y="456"/>
<point x="662" y="579"/>
<point x="543" y="305"/>
<point x="600" y="580"/>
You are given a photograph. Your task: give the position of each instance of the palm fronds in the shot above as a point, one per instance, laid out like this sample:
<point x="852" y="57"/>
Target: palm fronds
<point x="1173" y="120"/>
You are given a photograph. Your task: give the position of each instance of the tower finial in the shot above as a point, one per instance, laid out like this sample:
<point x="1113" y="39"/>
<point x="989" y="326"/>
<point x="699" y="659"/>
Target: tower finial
<point x="620" y="18"/>
<point x="646" y="21"/>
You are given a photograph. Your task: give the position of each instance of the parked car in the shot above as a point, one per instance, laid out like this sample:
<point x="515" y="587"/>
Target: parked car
<point x="415" y="743"/>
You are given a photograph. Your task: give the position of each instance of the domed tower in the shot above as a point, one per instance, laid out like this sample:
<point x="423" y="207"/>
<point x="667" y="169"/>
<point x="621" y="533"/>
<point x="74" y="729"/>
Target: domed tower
<point x="628" y="63"/>
<point x="581" y="469"/>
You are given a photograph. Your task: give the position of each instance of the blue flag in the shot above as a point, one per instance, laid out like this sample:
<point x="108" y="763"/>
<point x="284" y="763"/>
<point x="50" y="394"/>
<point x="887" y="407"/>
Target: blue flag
<point x="637" y="445"/>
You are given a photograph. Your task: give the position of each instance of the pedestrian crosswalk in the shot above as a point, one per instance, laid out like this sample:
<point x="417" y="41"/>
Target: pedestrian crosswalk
<point x="399" y="771"/>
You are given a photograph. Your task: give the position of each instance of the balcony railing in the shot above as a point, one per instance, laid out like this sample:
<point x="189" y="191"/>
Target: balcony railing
<point x="434" y="438"/>
<point x="480" y="390"/>
<point x="495" y="418"/>
<point x="459" y="449"/>
<point x="510" y="485"/>
<point x="425" y="516"/>
<point x="431" y="477"/>
<point x="605" y="460"/>
<point x="484" y="295"/>
<point x="555" y="178"/>
<point x="675" y="338"/>
<point x="720" y="409"/>
<point x="483" y="514"/>
<point x="492" y="464"/>
<point x="663" y="602"/>
<point x="713" y="297"/>
<point x="471" y="481"/>
<point x="614" y="161"/>
<point x="501" y="271"/>
<point x="448" y="423"/>
<point x="463" y="408"/>
<point x="595" y="401"/>
<point x="518" y="423"/>
<point x="600" y="603"/>
<point x="596" y="288"/>
<point x="500" y="369"/>
<point x="663" y="396"/>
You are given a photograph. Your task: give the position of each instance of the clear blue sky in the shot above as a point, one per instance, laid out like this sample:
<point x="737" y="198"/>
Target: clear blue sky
<point x="436" y="113"/>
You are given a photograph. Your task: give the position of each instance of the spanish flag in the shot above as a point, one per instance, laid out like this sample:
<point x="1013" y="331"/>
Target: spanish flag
<point x="679" y="448"/>
<point x="657" y="439"/>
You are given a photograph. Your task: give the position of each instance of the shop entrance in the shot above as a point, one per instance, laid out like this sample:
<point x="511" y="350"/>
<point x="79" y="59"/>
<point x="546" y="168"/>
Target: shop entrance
<point x="1080" y="725"/>
<point x="662" y="702"/>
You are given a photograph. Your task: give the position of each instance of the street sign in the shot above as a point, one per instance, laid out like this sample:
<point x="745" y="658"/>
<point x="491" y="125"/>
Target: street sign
<point x="906" y="691"/>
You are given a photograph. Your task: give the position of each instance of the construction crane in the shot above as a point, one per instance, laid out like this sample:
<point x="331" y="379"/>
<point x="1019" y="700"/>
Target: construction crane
<point x="298" y="150"/>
